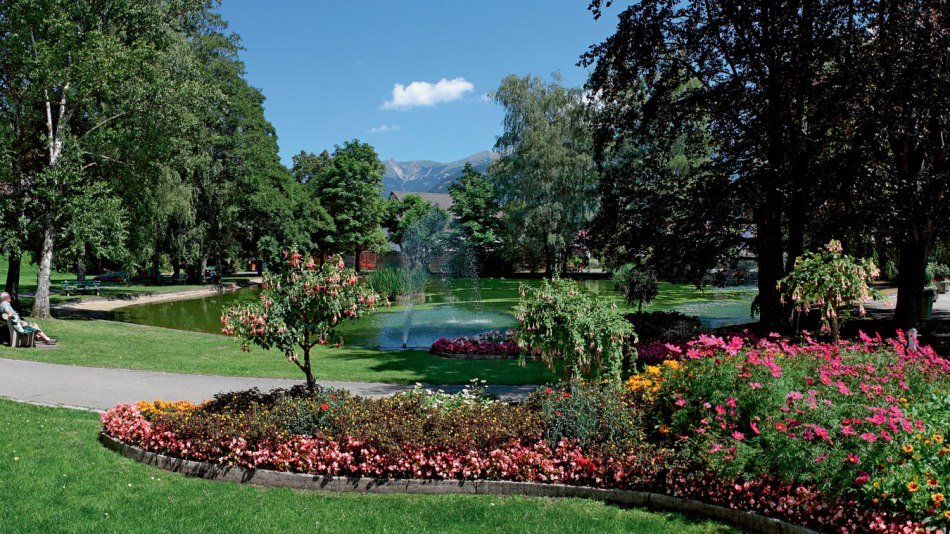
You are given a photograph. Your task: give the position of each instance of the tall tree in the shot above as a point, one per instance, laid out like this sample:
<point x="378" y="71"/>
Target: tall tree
<point x="907" y="80"/>
<point x="477" y="211"/>
<point x="349" y="185"/>
<point x="546" y="176"/>
<point x="765" y="76"/>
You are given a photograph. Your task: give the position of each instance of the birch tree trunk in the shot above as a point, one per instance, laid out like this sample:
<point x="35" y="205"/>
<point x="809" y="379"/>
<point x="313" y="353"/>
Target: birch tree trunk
<point x="55" y="142"/>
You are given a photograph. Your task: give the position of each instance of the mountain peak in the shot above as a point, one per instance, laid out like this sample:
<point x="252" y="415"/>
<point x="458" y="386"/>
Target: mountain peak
<point x="426" y="176"/>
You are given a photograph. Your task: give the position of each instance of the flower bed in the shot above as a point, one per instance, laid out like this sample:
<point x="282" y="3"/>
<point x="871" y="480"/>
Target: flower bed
<point x="489" y="345"/>
<point x="756" y="447"/>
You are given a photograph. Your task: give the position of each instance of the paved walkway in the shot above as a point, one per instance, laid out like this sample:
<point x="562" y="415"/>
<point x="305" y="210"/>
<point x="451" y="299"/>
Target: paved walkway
<point x="99" y="388"/>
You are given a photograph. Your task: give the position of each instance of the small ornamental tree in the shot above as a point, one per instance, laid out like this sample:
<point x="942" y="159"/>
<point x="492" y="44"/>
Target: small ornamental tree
<point x="830" y="281"/>
<point x="560" y="322"/>
<point x="638" y="285"/>
<point x="299" y="308"/>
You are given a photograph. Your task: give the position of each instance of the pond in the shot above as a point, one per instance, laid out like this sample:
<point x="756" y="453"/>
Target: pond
<point x="449" y="308"/>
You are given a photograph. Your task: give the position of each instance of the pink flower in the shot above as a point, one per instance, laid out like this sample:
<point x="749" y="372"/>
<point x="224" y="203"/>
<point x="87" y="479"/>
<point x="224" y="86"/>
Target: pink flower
<point x="869" y="437"/>
<point x="738" y="436"/>
<point x="755" y="427"/>
<point x="755" y="385"/>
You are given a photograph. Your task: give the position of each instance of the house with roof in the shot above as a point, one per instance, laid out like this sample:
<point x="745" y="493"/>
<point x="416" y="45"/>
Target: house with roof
<point x="439" y="200"/>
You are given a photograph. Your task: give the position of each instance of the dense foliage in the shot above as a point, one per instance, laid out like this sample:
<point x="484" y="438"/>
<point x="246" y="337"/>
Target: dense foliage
<point x="300" y="307"/>
<point x="131" y="139"/>
<point x="830" y="281"/>
<point x="563" y="325"/>
<point x="545" y="176"/>
<point x="476" y="207"/>
<point x="765" y="127"/>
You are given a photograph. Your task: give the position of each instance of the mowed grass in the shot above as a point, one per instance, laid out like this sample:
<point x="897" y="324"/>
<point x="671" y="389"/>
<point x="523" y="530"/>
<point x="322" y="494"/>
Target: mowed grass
<point x="97" y="343"/>
<point x="108" y="289"/>
<point x="56" y="477"/>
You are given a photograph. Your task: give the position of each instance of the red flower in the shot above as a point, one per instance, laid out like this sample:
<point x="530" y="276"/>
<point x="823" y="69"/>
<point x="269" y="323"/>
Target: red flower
<point x="324" y="406"/>
<point x="566" y="395"/>
<point x="548" y="390"/>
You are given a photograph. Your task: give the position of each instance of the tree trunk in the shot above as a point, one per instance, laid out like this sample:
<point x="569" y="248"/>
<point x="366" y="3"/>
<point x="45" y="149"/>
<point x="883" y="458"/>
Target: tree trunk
<point x="176" y="267"/>
<point x="835" y="330"/>
<point x="910" y="279"/>
<point x="155" y="275"/>
<point x="769" y="252"/>
<point x="202" y="267"/>
<point x="81" y="265"/>
<point x="41" y="301"/>
<point x="13" y="276"/>
<point x="356" y="260"/>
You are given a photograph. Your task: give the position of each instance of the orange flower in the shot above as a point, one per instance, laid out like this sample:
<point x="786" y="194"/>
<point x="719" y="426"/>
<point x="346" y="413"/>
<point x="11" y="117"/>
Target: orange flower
<point x="908" y="448"/>
<point x="912" y="487"/>
<point x="938" y="438"/>
<point x="937" y="498"/>
<point x="946" y="515"/>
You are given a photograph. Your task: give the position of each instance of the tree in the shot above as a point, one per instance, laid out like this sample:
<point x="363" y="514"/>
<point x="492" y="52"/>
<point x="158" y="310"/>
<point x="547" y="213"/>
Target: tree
<point x="830" y="281"/>
<point x="300" y="308"/>
<point x="349" y="186"/>
<point x="545" y="176"/>
<point x="637" y="285"/>
<point x="907" y="81"/>
<point x="402" y="214"/>
<point x="768" y="78"/>
<point x="478" y="212"/>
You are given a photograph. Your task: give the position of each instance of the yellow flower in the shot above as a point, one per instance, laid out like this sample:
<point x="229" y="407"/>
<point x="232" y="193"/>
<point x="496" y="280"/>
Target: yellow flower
<point x="937" y="498"/>
<point x="653" y="370"/>
<point x="908" y="448"/>
<point x="946" y="515"/>
<point x="672" y="364"/>
<point x="666" y="430"/>
<point x="912" y="487"/>
<point x="938" y="438"/>
<point x="903" y="400"/>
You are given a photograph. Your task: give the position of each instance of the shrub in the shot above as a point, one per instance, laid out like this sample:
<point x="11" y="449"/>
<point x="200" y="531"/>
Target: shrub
<point x="638" y="285"/>
<point x="392" y="282"/>
<point x="593" y="415"/>
<point x="559" y="321"/>
<point x="936" y="271"/>
<point x="830" y="281"/>
<point x="299" y="308"/>
<point x="665" y="326"/>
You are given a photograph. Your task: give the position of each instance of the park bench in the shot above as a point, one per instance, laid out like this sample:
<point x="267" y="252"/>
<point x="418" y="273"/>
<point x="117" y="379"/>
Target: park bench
<point x="81" y="286"/>
<point x="26" y="338"/>
<point x="173" y="280"/>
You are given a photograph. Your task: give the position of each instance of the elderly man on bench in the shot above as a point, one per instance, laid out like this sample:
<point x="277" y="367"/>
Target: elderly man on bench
<point x="21" y="326"/>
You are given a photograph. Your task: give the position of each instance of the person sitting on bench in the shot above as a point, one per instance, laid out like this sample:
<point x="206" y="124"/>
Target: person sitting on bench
<point x="8" y="313"/>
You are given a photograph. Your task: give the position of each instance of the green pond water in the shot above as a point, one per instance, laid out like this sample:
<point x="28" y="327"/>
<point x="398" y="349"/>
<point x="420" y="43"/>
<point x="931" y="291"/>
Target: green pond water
<point x="449" y="308"/>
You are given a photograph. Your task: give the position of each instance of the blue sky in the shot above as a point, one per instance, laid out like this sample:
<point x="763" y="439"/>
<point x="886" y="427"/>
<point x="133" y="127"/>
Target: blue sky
<point x="328" y="69"/>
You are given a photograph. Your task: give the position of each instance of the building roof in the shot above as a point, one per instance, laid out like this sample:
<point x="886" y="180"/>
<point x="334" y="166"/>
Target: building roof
<point x="441" y="200"/>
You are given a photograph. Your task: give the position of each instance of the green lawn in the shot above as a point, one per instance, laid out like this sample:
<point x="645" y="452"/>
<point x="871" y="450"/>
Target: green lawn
<point x="56" y="477"/>
<point x="109" y="289"/>
<point x="113" y="344"/>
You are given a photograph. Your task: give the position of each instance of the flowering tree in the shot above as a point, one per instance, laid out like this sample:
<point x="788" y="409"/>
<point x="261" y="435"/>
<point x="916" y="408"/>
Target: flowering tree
<point x="559" y="321"/>
<point x="299" y="308"/>
<point x="829" y="280"/>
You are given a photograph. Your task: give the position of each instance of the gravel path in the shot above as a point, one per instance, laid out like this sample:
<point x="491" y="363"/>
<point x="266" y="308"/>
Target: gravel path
<point x="99" y="388"/>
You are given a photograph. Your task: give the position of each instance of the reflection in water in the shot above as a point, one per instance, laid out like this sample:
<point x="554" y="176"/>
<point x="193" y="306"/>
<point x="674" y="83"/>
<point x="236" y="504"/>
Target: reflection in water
<point x="450" y="308"/>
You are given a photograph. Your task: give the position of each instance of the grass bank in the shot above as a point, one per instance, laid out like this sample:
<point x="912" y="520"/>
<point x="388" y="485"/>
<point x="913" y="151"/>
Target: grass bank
<point x="57" y="478"/>
<point x="119" y="345"/>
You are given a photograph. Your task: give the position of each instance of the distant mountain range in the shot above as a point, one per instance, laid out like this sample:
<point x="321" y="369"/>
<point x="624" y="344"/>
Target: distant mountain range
<point x="430" y="176"/>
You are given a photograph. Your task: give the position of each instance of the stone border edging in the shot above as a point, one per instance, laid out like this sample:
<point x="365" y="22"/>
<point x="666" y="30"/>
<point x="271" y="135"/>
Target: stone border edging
<point x="284" y="479"/>
<point x="458" y="356"/>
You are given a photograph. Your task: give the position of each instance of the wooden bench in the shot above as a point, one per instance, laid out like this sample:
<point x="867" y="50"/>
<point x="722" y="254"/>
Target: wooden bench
<point x="81" y="286"/>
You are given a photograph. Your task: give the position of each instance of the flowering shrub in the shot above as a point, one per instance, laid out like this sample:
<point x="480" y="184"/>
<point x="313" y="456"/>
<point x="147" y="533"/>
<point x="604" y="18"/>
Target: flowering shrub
<point x="559" y="321"/>
<point x="489" y="344"/>
<point x="862" y="420"/>
<point x="829" y="280"/>
<point x="300" y="307"/>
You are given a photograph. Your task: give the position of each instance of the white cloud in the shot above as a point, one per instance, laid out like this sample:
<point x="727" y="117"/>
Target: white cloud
<point x="384" y="128"/>
<point x="427" y="94"/>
